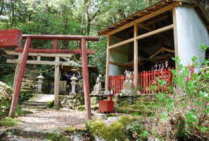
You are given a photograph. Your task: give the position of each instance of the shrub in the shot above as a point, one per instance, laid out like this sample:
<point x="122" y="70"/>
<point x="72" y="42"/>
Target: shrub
<point x="136" y="131"/>
<point x="119" y="130"/>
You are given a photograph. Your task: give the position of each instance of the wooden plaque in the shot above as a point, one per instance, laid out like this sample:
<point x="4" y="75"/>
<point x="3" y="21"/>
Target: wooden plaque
<point x="10" y="38"/>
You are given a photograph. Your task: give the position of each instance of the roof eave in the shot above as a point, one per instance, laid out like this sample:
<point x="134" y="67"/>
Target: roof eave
<point x="135" y="16"/>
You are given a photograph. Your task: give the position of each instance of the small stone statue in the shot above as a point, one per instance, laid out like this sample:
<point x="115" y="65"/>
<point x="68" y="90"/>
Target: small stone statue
<point x="98" y="86"/>
<point x="73" y="84"/>
<point x="128" y="84"/>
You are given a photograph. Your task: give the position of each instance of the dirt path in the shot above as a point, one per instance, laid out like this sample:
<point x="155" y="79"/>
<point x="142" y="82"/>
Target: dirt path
<point x="42" y="120"/>
<point x="48" y="120"/>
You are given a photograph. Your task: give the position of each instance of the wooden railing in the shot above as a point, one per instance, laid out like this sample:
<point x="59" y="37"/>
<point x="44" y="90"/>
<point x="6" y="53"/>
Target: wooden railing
<point x="150" y="82"/>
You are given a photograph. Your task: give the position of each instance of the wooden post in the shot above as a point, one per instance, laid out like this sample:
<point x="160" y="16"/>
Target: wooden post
<point x="56" y="82"/>
<point x="107" y="64"/>
<point x="175" y="33"/>
<point x="136" y="56"/>
<point x="19" y="77"/>
<point x="55" y="44"/>
<point x="85" y="74"/>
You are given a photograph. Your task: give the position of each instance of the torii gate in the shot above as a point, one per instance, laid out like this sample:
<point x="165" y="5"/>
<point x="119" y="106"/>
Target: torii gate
<point x="12" y="39"/>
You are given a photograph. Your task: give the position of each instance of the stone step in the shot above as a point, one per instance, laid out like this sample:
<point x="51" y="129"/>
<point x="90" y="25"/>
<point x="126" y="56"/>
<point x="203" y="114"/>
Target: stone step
<point x="34" y="103"/>
<point x="17" y="134"/>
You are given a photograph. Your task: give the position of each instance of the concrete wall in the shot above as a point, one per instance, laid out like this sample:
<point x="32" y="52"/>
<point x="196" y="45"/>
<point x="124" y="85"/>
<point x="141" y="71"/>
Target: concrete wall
<point x="190" y="34"/>
<point x="118" y="58"/>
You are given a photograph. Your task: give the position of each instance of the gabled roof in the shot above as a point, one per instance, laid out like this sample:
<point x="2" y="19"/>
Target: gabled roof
<point x="158" y="5"/>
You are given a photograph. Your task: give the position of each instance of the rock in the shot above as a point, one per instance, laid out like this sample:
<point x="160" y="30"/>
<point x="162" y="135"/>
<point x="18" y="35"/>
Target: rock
<point x="111" y="120"/>
<point x="72" y="101"/>
<point x="152" y="139"/>
<point x="5" y="91"/>
<point x="99" y="139"/>
<point x="76" y="137"/>
<point x="1" y="133"/>
<point x="100" y="116"/>
<point x="5" y="98"/>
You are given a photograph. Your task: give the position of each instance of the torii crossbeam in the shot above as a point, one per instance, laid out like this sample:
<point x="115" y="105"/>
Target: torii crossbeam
<point x="11" y="39"/>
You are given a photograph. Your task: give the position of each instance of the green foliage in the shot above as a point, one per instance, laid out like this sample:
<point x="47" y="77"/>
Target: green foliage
<point x="81" y="17"/>
<point x="50" y="104"/>
<point x="185" y="108"/>
<point x="136" y="131"/>
<point x="190" y="101"/>
<point x="111" y="132"/>
<point x="8" y="122"/>
<point x="4" y="107"/>
<point x="56" y="137"/>
<point x="142" y="106"/>
<point x="24" y="96"/>
<point x="71" y="129"/>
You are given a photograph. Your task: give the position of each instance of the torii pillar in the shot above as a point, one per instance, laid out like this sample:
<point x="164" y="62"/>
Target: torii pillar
<point x="11" y="39"/>
<point x="19" y="77"/>
<point x="85" y="74"/>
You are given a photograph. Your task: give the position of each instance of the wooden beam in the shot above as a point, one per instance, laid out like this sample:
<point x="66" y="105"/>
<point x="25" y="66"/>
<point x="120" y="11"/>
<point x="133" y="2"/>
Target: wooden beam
<point x="151" y="33"/>
<point x="85" y="74"/>
<point x="121" y="64"/>
<point x="136" y="73"/>
<point x="56" y="83"/>
<point x="157" y="31"/>
<point x="161" y="50"/>
<point x="144" y="18"/>
<point x="121" y="43"/>
<point x="107" y="64"/>
<point x="19" y="77"/>
<point x="36" y="62"/>
<point x="9" y="52"/>
<point x="53" y="51"/>
<point x="61" y="37"/>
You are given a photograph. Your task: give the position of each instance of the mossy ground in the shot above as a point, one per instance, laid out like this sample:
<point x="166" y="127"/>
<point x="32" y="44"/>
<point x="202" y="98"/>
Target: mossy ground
<point x="8" y="122"/>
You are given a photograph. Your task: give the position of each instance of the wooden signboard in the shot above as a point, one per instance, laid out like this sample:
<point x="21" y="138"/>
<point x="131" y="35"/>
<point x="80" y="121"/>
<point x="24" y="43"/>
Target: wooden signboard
<point x="10" y="38"/>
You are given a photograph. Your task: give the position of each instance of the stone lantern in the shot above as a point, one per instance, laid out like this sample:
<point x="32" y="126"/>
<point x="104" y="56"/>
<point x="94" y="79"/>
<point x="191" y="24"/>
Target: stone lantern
<point x="40" y="81"/>
<point x="73" y="84"/>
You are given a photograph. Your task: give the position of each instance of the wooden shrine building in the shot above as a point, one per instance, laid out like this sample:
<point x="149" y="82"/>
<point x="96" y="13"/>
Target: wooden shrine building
<point x="146" y="41"/>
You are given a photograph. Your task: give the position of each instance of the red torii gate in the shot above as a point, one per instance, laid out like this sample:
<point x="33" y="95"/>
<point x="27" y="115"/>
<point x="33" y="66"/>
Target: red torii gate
<point x="12" y="39"/>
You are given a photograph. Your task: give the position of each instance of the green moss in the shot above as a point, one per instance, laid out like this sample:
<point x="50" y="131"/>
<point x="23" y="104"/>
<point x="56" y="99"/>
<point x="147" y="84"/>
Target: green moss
<point x="8" y="122"/>
<point x="50" y="104"/>
<point x="81" y="107"/>
<point x="70" y="129"/>
<point x="142" y="106"/>
<point x="56" y="137"/>
<point x="111" y="132"/>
